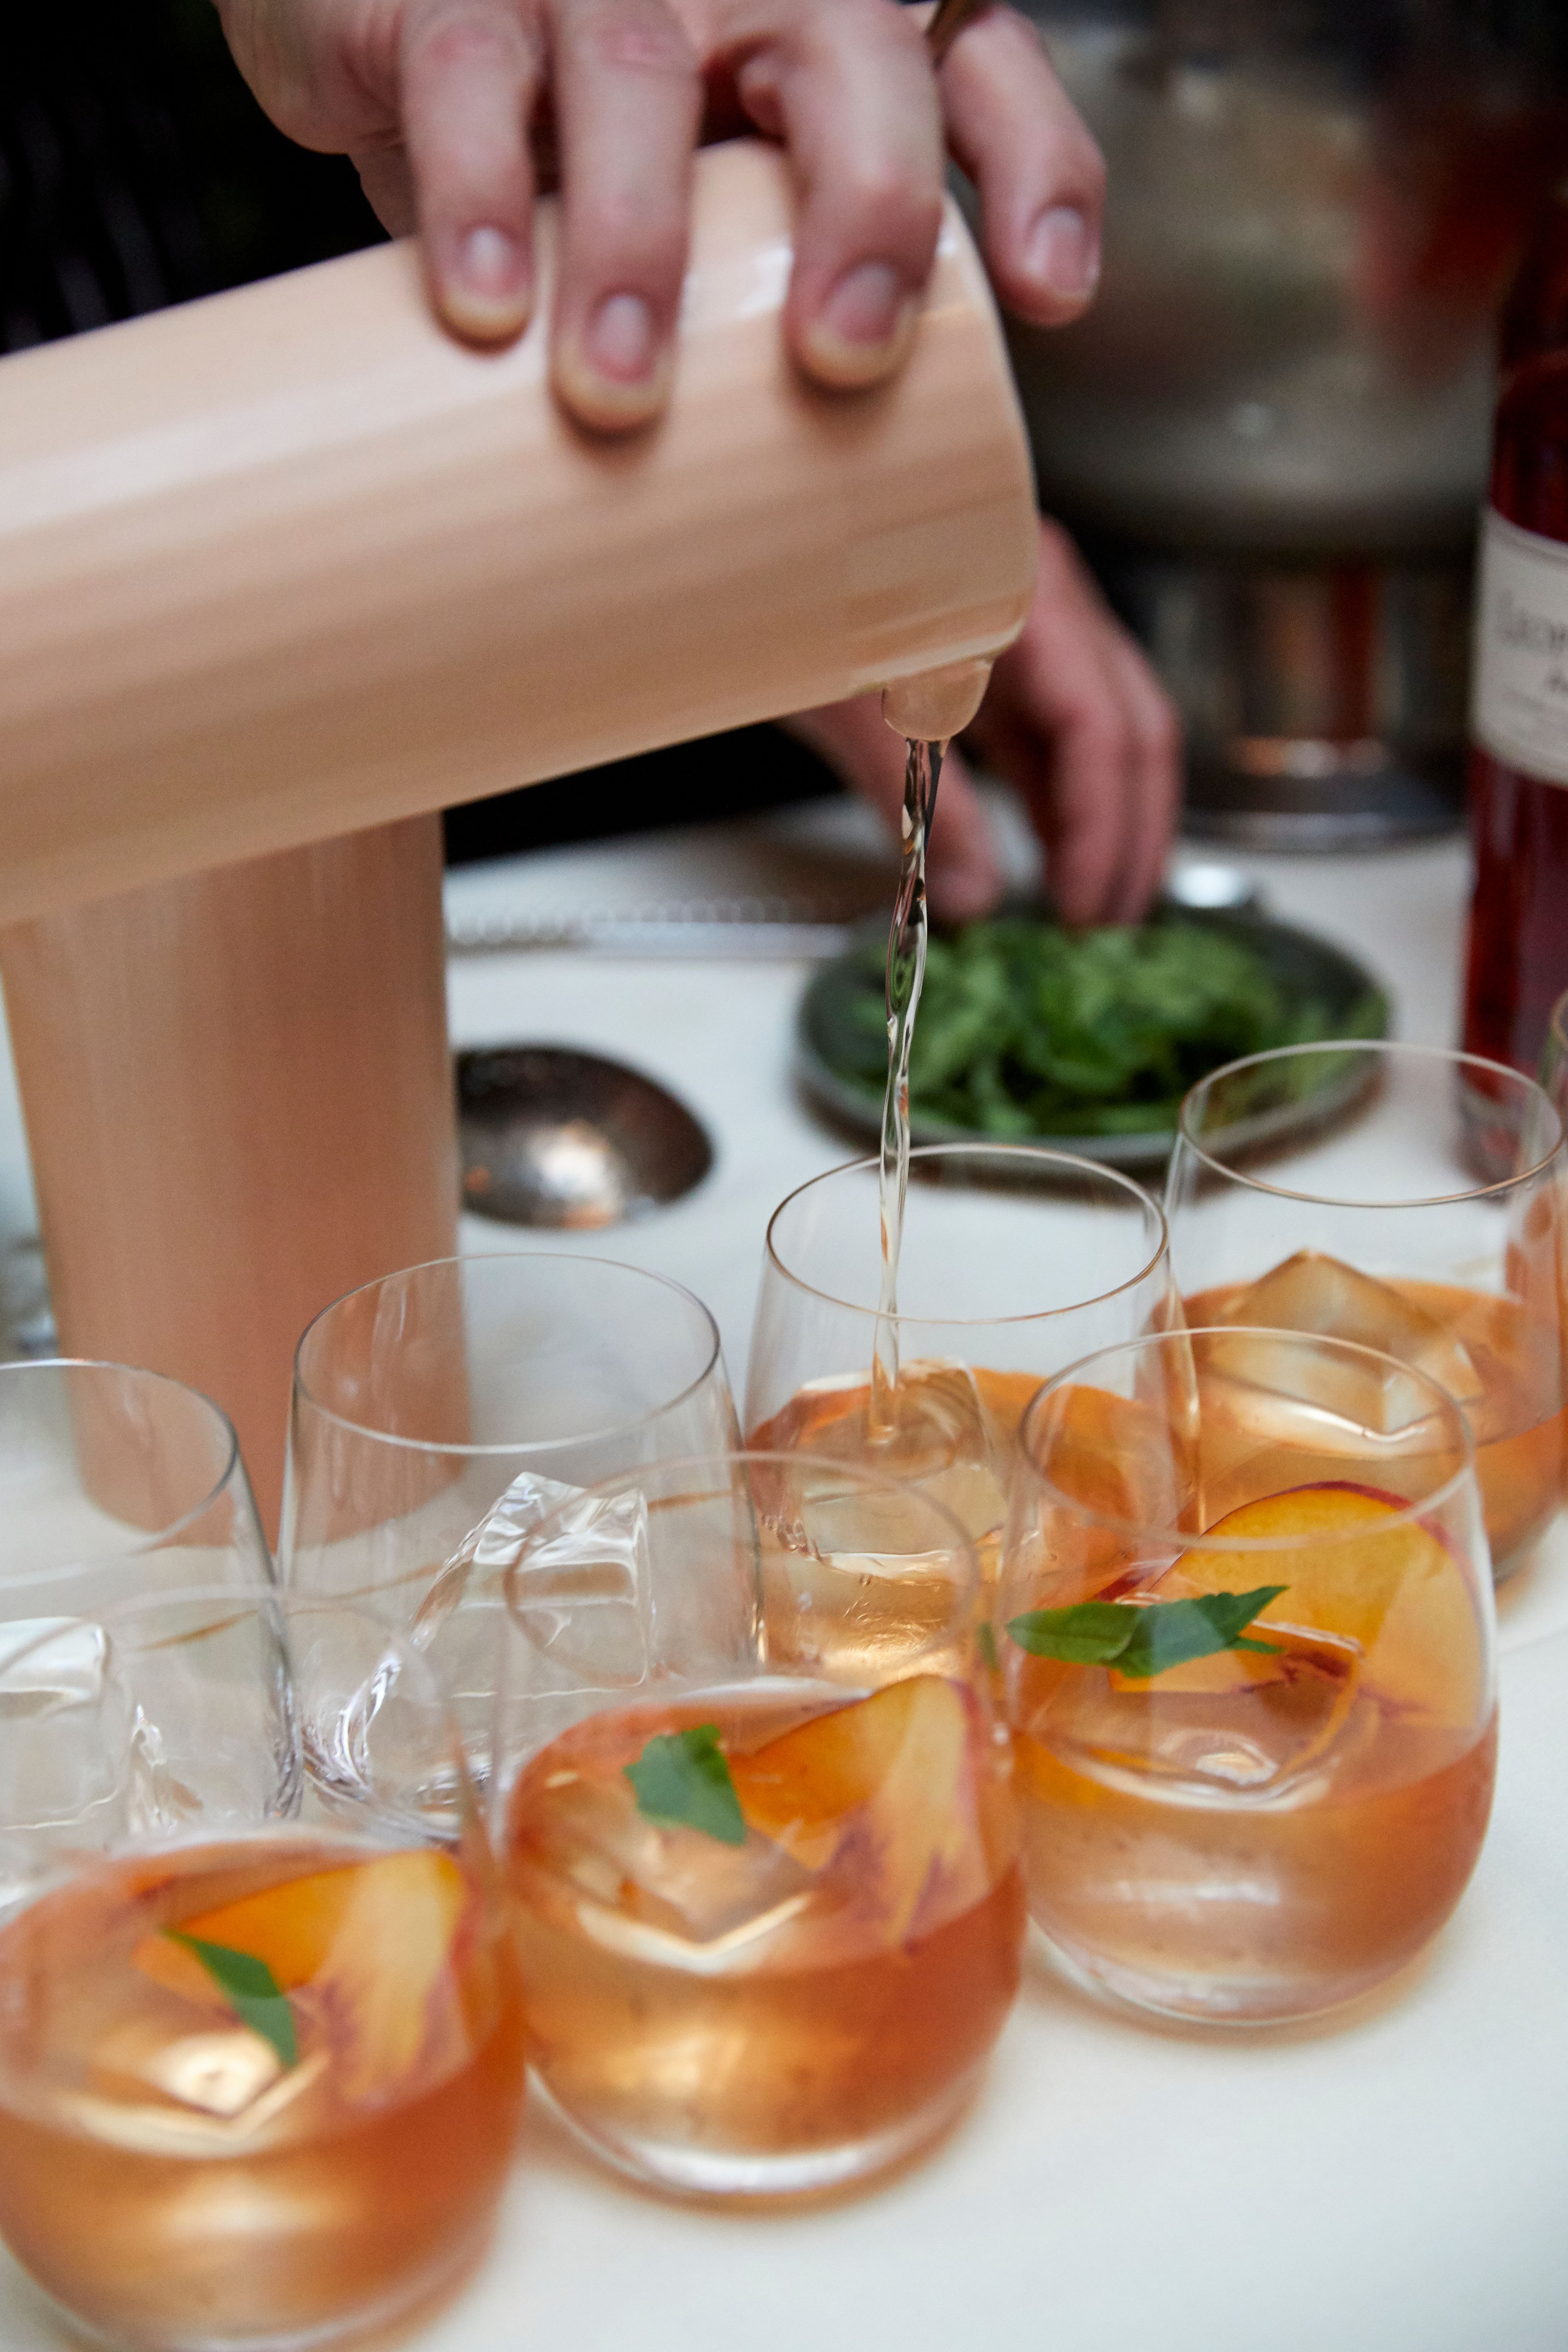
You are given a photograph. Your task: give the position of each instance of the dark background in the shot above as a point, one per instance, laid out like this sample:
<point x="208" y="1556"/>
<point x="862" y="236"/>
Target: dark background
<point x="137" y="170"/>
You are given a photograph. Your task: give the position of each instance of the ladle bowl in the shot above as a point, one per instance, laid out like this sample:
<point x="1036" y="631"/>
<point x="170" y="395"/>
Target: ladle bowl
<point x="552" y="1135"/>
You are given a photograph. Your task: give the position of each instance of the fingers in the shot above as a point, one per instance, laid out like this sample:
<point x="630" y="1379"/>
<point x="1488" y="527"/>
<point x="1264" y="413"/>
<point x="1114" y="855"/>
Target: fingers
<point x="1077" y="720"/>
<point x="470" y="70"/>
<point x="1153" y="781"/>
<point x="848" y="85"/>
<point x="628" y="106"/>
<point x="963" y="874"/>
<point x="388" y="184"/>
<point x="1039" y="174"/>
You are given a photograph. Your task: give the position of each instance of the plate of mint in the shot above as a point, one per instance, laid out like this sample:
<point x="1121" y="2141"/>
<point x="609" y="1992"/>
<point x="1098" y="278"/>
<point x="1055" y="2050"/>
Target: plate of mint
<point x="1030" y="1033"/>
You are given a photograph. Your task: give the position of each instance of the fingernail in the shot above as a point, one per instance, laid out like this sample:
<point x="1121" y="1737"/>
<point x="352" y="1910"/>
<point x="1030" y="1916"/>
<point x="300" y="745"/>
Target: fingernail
<point x="863" y="307"/>
<point x="620" y="342"/>
<point x="616" y="374"/>
<point x="858" y="334"/>
<point x="487" y="295"/>
<point x="1065" y="251"/>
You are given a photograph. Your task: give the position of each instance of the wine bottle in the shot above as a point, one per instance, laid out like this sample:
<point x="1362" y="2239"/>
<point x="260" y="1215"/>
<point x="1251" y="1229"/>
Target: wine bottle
<point x="1518" y="954"/>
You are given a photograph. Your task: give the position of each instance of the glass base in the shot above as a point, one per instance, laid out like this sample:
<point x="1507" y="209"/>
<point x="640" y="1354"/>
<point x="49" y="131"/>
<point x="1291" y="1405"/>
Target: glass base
<point x="682" y="2169"/>
<point x="387" y="2320"/>
<point x="1232" y="2001"/>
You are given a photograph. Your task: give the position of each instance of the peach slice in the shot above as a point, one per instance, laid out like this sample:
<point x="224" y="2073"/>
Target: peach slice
<point x="290" y="1926"/>
<point x="387" y="1980"/>
<point x="894" y="1768"/>
<point x="370" y="1940"/>
<point x="1359" y="1567"/>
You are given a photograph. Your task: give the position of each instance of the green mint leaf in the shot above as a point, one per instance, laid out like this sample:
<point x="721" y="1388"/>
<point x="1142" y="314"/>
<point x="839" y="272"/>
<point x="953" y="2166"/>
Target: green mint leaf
<point x="682" y="1782"/>
<point x="1093" y="1634"/>
<point x="985" y="1643"/>
<point x="1172" y="1632"/>
<point x="250" y="1989"/>
<point x="1141" y="1639"/>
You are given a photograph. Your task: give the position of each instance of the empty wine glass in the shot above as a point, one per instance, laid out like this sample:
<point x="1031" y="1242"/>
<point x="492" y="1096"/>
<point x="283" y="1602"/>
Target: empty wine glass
<point x="115" y="1482"/>
<point x="439" y="1411"/>
<point x="1430" y="1219"/>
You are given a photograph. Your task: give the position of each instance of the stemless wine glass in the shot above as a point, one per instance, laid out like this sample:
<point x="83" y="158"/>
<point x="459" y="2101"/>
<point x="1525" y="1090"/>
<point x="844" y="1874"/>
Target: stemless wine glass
<point x="1380" y="1229"/>
<point x="763" y="1874"/>
<point x="437" y="1412"/>
<point x="1247" y="1637"/>
<point x="1014" y="1263"/>
<point x="114" y="1482"/>
<point x="261" y="2060"/>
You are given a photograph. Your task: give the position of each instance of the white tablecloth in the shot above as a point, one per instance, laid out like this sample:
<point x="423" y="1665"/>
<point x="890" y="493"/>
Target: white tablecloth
<point x="1396" y="2181"/>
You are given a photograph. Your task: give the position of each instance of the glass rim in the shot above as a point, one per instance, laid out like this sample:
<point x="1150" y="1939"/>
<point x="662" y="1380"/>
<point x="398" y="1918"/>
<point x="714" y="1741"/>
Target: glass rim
<point x="620" y="1480"/>
<point x="1112" y="1177"/>
<point x="1183" y="1539"/>
<point x="1557" y="1022"/>
<point x="234" y="1460"/>
<point x="1387" y="1048"/>
<point x="466" y="1450"/>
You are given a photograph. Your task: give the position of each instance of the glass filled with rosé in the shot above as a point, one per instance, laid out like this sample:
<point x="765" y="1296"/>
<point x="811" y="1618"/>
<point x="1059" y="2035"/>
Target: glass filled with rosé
<point x="1427" y="1216"/>
<point x="261" y="2058"/>
<point x="761" y="1851"/>
<point x="1013" y="1263"/>
<point x="1246" y="1634"/>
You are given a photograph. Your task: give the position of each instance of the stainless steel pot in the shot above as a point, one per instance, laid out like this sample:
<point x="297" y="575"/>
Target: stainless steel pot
<point x="1272" y="428"/>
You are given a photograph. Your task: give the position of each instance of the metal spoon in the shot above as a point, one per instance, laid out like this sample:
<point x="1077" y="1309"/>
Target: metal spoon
<point x="554" y="1136"/>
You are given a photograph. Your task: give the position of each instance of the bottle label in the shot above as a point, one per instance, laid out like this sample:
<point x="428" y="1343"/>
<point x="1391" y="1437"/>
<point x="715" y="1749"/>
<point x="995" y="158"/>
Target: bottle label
<point x="1521" y="713"/>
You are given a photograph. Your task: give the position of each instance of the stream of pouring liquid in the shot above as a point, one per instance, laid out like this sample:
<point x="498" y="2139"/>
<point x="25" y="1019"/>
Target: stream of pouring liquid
<point x="906" y="970"/>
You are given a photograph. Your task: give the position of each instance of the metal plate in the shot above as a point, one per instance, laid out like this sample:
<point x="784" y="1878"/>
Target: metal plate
<point x="1303" y="966"/>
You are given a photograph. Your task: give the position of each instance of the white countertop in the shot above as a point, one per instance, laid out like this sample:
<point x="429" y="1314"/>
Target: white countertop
<point x="1394" y="2181"/>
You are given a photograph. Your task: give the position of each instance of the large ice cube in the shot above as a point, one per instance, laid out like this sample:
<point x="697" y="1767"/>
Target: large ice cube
<point x="1314" y="1293"/>
<point x="580" y="1596"/>
<point x="70" y="1732"/>
<point x="1218" y="1730"/>
<point x="672" y="1896"/>
<point x="212" y="2095"/>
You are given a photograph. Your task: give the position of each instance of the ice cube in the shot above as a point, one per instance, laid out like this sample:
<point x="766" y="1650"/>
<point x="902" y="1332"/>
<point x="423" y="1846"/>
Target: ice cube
<point x="489" y="1547"/>
<point x="210" y="2100"/>
<point x="673" y="1897"/>
<point x="1314" y="1293"/>
<point x="219" y="2072"/>
<point x="1235" y="1727"/>
<point x="580" y="1596"/>
<point x="70" y="1727"/>
<point x="949" y="1442"/>
<point x="49" y="1662"/>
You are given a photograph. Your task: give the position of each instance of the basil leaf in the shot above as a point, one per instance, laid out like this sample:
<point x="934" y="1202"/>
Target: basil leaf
<point x="1144" y="1639"/>
<point x="250" y="1989"/>
<point x="1092" y="1633"/>
<point x="682" y="1782"/>
<point x="1171" y="1632"/>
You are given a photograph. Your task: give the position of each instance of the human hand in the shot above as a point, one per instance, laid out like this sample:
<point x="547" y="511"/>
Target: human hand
<point x="434" y="99"/>
<point x="1076" y="720"/>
